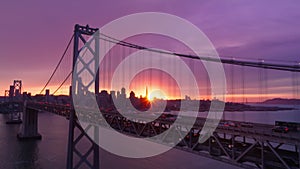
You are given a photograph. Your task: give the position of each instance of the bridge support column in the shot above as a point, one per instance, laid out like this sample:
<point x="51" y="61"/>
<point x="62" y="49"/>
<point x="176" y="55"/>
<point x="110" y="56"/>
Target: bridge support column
<point x="29" y="127"/>
<point x="14" y="118"/>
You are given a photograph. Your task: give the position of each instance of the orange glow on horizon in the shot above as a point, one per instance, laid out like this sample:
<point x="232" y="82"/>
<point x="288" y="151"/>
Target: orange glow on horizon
<point x="140" y="91"/>
<point x="64" y="90"/>
<point x="157" y="94"/>
<point x="158" y="81"/>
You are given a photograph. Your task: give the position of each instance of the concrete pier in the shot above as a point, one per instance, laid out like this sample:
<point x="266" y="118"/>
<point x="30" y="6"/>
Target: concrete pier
<point x="15" y="114"/>
<point x="15" y="118"/>
<point x="29" y="127"/>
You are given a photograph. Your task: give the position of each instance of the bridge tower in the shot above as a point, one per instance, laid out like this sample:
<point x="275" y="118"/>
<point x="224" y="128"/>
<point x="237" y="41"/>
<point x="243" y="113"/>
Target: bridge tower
<point x="6" y="95"/>
<point x="76" y="132"/>
<point x="15" y="98"/>
<point x="17" y="88"/>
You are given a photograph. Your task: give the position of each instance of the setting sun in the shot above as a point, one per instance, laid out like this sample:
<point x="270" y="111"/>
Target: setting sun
<point x="156" y="94"/>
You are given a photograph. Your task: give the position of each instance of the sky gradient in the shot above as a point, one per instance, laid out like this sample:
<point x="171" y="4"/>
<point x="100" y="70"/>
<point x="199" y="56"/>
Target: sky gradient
<point x="34" y="33"/>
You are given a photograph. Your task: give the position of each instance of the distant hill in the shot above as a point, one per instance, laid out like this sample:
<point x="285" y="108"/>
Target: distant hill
<point x="282" y="101"/>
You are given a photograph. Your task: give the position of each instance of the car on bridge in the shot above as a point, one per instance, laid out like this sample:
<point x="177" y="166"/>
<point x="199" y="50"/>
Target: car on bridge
<point x="246" y="124"/>
<point x="228" y="124"/>
<point x="280" y="129"/>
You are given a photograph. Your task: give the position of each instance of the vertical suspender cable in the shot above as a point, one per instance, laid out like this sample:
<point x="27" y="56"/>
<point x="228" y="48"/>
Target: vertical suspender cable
<point x="266" y="83"/>
<point x="260" y="83"/>
<point x="151" y="54"/>
<point x="243" y="90"/>
<point x="232" y="83"/>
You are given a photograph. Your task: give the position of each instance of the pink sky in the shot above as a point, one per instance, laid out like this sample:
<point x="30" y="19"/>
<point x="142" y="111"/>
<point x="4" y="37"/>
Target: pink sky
<point x="34" y="33"/>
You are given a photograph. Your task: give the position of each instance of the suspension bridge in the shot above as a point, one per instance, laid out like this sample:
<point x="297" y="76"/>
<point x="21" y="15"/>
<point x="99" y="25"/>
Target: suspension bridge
<point x="244" y="144"/>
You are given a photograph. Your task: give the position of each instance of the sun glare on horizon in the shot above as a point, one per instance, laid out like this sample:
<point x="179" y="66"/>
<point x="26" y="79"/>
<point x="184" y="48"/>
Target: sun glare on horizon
<point x="157" y="94"/>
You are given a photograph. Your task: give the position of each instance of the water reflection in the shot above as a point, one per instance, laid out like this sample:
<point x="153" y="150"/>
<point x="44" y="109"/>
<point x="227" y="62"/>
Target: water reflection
<point x="27" y="155"/>
<point x="50" y="152"/>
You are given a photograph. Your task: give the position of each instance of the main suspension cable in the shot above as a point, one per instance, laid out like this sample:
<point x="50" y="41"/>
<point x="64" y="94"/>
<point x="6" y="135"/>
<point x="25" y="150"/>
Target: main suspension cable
<point x="62" y="57"/>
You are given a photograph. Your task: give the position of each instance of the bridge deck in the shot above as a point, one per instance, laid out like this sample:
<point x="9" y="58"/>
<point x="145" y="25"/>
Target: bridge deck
<point x="255" y="145"/>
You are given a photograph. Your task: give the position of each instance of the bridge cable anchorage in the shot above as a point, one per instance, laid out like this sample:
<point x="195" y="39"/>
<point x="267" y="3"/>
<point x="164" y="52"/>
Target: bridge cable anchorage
<point x="264" y="65"/>
<point x="62" y="57"/>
